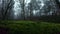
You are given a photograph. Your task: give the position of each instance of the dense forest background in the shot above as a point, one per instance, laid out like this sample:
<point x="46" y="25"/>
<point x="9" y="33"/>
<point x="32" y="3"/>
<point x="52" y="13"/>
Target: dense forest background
<point x="47" y="10"/>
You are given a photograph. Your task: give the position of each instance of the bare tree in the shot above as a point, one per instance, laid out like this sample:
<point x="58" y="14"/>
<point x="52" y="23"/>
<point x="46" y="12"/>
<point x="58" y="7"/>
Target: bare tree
<point x="5" y="7"/>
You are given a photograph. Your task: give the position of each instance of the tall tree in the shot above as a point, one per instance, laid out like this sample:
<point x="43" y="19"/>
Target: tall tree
<point x="5" y="7"/>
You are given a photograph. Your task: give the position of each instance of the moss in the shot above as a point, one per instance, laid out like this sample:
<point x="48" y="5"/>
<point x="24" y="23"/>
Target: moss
<point x="30" y="27"/>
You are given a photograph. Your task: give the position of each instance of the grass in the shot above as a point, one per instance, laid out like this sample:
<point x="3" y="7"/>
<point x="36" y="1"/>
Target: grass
<point x="30" y="27"/>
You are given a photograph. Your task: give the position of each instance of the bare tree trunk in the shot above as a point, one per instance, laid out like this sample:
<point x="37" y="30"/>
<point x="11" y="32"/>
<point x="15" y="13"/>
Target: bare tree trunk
<point x="23" y="10"/>
<point x="5" y="11"/>
<point x="30" y="11"/>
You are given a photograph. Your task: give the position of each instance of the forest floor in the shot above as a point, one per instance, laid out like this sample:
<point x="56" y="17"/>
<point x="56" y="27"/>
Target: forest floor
<point x="29" y="27"/>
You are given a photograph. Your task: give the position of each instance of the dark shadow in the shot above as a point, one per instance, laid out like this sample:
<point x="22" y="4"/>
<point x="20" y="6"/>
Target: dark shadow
<point x="4" y="30"/>
<point x="51" y="19"/>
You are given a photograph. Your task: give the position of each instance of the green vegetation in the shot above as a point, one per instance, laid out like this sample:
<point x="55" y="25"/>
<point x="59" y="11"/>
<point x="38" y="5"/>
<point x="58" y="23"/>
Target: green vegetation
<point x="30" y="27"/>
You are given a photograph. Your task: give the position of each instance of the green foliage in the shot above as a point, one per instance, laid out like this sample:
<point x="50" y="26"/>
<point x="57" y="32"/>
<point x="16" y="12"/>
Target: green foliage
<point x="30" y="27"/>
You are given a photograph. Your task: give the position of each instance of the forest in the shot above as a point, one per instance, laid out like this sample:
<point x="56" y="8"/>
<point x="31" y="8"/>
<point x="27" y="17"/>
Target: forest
<point x="29" y="16"/>
<point x="29" y="9"/>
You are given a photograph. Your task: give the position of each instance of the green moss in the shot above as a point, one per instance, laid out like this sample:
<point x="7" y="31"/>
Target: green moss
<point x="31" y="27"/>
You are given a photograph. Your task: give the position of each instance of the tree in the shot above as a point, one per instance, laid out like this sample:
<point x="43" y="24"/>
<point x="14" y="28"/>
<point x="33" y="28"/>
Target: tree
<point x="30" y="7"/>
<point x="6" y="5"/>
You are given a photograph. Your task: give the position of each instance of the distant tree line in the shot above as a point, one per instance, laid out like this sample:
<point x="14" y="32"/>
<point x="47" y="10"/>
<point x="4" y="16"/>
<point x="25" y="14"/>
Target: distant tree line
<point x="36" y="10"/>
